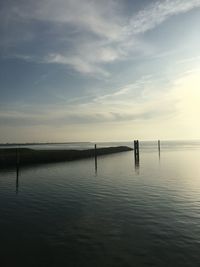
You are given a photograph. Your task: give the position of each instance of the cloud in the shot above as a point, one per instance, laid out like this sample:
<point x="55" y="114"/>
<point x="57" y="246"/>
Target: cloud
<point x="157" y="12"/>
<point x="76" y="118"/>
<point x="98" y="32"/>
<point x="188" y="60"/>
<point x="126" y="104"/>
<point x="136" y="88"/>
<point x="98" y="17"/>
<point x="171" y="113"/>
<point x="140" y="101"/>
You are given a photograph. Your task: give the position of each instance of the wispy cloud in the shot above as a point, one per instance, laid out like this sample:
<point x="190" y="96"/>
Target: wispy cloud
<point x="188" y="60"/>
<point x="125" y="104"/>
<point x="170" y="113"/>
<point x="99" y="32"/>
<point x="158" y="12"/>
<point x="136" y="88"/>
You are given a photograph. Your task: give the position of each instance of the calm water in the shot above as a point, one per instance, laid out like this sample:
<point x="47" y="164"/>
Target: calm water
<point x="66" y="214"/>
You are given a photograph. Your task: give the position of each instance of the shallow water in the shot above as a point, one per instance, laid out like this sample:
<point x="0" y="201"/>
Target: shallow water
<point x="67" y="214"/>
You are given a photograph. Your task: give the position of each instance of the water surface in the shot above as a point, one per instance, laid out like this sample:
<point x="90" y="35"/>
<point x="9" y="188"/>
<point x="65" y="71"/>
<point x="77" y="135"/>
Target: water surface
<point x="67" y="214"/>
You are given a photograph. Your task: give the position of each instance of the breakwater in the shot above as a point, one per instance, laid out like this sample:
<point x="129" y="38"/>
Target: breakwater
<point x="26" y="156"/>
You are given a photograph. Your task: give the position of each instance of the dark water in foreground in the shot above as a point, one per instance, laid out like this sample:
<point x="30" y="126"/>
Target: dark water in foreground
<point x="65" y="214"/>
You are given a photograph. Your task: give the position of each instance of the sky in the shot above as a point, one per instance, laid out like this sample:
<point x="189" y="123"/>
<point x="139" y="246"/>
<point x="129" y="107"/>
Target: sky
<point x="91" y="70"/>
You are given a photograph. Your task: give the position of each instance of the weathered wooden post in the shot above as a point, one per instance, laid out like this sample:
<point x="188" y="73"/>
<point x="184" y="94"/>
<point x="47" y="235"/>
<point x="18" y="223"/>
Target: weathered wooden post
<point x="135" y="147"/>
<point x="136" y="151"/>
<point x="95" y="156"/>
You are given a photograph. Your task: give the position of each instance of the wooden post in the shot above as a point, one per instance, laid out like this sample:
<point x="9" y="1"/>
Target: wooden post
<point x="159" y="148"/>
<point x="136" y="151"/>
<point x="95" y="156"/>
<point x="158" y="145"/>
<point x="135" y="147"/>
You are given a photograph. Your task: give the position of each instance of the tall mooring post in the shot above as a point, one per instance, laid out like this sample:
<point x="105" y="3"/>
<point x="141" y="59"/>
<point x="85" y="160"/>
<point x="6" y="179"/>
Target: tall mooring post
<point x="136" y="151"/>
<point x="95" y="157"/>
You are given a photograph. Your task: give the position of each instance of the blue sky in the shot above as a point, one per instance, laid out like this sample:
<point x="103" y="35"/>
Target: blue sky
<point x="88" y="70"/>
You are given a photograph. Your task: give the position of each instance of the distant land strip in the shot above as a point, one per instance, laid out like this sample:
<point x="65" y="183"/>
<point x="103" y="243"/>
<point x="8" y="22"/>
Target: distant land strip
<point x="26" y="156"/>
<point x="42" y="143"/>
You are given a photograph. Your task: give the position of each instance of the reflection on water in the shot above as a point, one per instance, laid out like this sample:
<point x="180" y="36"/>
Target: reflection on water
<point x="137" y="165"/>
<point x="134" y="214"/>
<point x="96" y="166"/>
<point x="95" y="158"/>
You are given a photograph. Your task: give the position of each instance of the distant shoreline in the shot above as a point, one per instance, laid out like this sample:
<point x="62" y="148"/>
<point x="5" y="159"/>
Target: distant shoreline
<point x="47" y="143"/>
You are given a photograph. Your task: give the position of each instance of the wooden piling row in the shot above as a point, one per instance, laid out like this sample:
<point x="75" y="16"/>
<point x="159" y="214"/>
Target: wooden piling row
<point x="136" y="156"/>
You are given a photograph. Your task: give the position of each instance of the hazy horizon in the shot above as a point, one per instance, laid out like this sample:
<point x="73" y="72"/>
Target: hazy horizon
<point x="99" y="70"/>
<point x="105" y="141"/>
